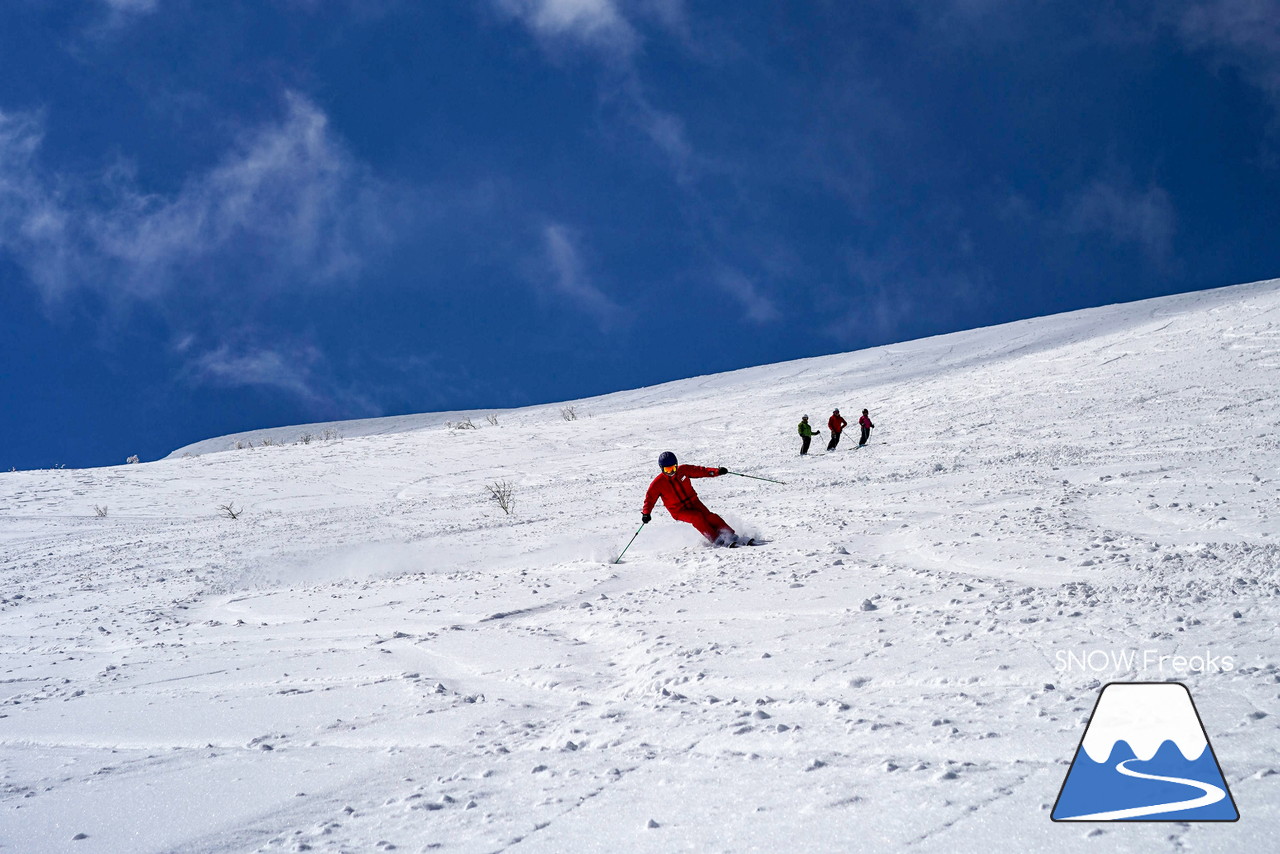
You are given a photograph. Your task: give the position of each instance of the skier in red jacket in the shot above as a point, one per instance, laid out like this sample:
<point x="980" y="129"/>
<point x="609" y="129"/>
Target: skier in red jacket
<point x="836" y="425"/>
<point x="676" y="492"/>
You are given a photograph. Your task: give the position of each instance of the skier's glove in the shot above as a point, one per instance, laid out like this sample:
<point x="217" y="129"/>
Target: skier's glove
<point x="722" y="470"/>
<point x="645" y="518"/>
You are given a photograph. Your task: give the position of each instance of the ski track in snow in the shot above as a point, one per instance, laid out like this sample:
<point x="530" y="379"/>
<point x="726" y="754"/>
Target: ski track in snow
<point x="375" y="657"/>
<point x="1210" y="794"/>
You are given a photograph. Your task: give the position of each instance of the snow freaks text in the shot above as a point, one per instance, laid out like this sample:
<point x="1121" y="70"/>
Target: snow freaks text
<point x="1144" y="661"/>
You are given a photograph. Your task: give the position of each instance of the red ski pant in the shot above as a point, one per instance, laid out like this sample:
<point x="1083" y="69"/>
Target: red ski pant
<point x="708" y="524"/>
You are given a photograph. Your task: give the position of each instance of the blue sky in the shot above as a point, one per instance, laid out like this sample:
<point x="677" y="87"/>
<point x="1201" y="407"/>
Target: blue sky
<point x="218" y="217"/>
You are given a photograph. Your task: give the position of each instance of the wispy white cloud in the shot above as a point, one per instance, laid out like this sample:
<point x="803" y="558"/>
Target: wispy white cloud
<point x="297" y="369"/>
<point x="132" y="6"/>
<point x="1240" y="34"/>
<point x="667" y="132"/>
<point x="759" y="308"/>
<point x="115" y="16"/>
<point x="609" y="31"/>
<point x="33" y="221"/>
<point x="287" y="206"/>
<point x="1244" y="34"/>
<point x="885" y="284"/>
<point x="596" y="24"/>
<point x="1126" y="214"/>
<point x="957" y="21"/>
<point x="568" y="277"/>
<point x="288" y="370"/>
<point x="670" y="14"/>
<point x="896" y="290"/>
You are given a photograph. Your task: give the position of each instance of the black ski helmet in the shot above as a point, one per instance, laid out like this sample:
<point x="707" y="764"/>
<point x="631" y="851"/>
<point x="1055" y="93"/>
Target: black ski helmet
<point x="666" y="458"/>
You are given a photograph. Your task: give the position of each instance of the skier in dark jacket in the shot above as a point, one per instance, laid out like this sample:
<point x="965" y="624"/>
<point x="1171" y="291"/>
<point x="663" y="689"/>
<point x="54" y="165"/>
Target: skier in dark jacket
<point x="676" y="492"/>
<point x="836" y="425"/>
<point x="865" y="423"/>
<point x="806" y="434"/>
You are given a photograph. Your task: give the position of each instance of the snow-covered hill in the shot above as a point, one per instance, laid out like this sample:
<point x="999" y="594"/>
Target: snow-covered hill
<point x="375" y="656"/>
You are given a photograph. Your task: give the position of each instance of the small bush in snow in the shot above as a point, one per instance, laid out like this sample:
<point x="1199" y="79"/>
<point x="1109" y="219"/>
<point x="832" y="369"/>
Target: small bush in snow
<point x="461" y="425"/>
<point x="267" y="442"/>
<point x="100" y="512"/>
<point x="132" y="460"/>
<point x="503" y="493"/>
<point x="492" y="419"/>
<point x="329" y="435"/>
<point x="568" y="413"/>
<point x="305" y="439"/>
<point x="230" y="510"/>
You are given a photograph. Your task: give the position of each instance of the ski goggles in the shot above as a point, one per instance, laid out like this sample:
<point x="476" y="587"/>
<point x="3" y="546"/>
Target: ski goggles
<point x="669" y="469"/>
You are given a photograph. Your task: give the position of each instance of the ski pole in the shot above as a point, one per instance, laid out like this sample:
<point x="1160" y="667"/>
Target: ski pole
<point x="633" y="539"/>
<point x="757" y="477"/>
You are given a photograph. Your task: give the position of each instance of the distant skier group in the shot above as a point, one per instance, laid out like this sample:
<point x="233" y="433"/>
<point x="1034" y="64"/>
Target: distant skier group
<point x="674" y="489"/>
<point x="836" y="425"/>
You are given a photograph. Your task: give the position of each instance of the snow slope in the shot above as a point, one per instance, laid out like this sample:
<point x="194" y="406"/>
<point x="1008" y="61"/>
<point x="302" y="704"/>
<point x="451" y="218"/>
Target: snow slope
<point x="374" y="656"/>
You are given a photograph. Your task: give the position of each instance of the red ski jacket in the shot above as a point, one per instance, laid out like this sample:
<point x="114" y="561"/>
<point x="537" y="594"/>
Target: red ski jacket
<point x="836" y="423"/>
<point x="675" y="490"/>
<point x="865" y="422"/>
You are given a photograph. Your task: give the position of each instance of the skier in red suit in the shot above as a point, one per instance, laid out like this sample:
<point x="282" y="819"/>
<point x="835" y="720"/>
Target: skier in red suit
<point x="836" y="425"/>
<point x="676" y="492"/>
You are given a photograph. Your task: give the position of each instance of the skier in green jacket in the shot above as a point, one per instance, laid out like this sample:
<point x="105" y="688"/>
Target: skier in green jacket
<point x="806" y="434"/>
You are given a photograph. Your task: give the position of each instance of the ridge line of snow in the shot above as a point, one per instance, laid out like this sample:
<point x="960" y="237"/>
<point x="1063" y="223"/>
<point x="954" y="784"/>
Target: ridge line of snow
<point x="1044" y="332"/>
